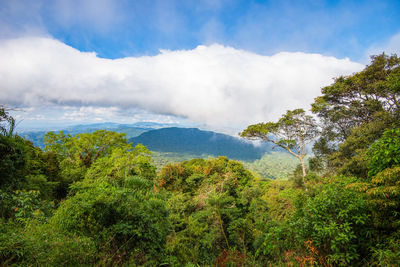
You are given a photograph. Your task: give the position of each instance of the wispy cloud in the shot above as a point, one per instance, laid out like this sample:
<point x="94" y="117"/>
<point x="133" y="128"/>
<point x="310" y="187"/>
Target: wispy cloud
<point x="19" y="18"/>
<point x="99" y="15"/>
<point x="390" y="46"/>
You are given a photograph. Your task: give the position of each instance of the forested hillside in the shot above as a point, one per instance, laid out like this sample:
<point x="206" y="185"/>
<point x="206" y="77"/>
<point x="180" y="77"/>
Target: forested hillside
<point x="172" y="145"/>
<point x="196" y="142"/>
<point x="93" y="199"/>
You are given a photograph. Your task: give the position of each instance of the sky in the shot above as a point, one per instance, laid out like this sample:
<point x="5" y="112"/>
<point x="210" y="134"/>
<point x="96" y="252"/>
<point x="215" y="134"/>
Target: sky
<point x="216" y="63"/>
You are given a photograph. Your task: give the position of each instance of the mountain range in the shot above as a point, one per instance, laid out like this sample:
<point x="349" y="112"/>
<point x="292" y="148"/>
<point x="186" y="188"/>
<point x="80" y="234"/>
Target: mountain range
<point x="164" y="138"/>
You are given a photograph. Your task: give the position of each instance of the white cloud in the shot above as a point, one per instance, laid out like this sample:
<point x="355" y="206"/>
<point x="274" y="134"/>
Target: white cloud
<point x="393" y="46"/>
<point x="216" y="85"/>
<point x="85" y="113"/>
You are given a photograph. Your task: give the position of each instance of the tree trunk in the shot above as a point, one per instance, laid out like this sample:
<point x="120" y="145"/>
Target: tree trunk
<point x="303" y="167"/>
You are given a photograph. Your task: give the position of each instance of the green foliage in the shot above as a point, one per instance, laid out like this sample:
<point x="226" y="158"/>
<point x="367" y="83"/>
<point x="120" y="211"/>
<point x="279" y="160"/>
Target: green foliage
<point x="274" y="236"/>
<point x="113" y="210"/>
<point x="385" y="153"/>
<point x="384" y="200"/>
<point x="162" y="159"/>
<point x="41" y="245"/>
<point x="351" y="156"/>
<point x="209" y="202"/>
<point x="279" y="198"/>
<point x="273" y="165"/>
<point x="272" y="243"/>
<point x="126" y="219"/>
<point x="383" y="193"/>
<point x="13" y="162"/>
<point x="356" y="110"/>
<point x="120" y="164"/>
<point x="23" y="166"/>
<point x="188" y="176"/>
<point x="335" y="219"/>
<point x="387" y="253"/>
<point x="116" y="207"/>
<point x="353" y="100"/>
<point x="78" y="153"/>
<point x="28" y="205"/>
<point x="292" y="132"/>
<point x="70" y="157"/>
<point x="315" y="164"/>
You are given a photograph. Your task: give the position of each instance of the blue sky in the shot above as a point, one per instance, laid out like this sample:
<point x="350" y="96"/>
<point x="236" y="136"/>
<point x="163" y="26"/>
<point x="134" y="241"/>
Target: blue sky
<point x="251" y="31"/>
<point x="117" y="29"/>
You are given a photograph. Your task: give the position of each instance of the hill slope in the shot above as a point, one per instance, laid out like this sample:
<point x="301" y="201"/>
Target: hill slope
<point x="197" y="142"/>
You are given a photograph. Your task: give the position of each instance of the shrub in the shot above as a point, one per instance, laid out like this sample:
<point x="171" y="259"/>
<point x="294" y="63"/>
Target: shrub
<point x="126" y="222"/>
<point x="42" y="245"/>
<point x="335" y="220"/>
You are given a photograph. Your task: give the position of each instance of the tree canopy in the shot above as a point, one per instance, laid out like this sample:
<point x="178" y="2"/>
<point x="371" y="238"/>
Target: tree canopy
<point x="293" y="131"/>
<point x="355" y="110"/>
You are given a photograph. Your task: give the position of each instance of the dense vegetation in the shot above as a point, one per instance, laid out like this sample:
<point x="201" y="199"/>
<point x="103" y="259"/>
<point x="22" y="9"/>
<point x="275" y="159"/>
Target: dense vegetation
<point x="93" y="199"/>
<point x="273" y="165"/>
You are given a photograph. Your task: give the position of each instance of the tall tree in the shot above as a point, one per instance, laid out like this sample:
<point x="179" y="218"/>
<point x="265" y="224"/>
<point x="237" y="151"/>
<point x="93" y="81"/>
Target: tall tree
<point x="78" y="153"/>
<point x="356" y="99"/>
<point x="292" y="132"/>
<point x="355" y="111"/>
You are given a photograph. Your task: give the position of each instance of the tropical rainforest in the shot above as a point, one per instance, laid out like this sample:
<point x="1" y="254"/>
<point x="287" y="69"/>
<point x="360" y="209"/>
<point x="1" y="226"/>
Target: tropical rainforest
<point x="92" y="199"/>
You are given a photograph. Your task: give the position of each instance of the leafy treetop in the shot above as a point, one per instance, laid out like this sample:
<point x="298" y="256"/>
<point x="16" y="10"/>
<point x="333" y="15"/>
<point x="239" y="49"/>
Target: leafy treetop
<point x="292" y="132"/>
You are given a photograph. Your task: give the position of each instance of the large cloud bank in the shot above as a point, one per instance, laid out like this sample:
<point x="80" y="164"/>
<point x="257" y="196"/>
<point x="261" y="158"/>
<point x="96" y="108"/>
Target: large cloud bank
<point x="214" y="84"/>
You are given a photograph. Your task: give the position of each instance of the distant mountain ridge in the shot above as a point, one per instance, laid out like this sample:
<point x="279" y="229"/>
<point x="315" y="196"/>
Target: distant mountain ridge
<point x="113" y="125"/>
<point x="198" y="142"/>
<point x="131" y="130"/>
<point x="185" y="141"/>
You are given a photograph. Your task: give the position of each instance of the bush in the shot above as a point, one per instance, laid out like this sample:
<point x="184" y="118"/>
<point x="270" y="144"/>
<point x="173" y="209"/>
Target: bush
<point x="126" y="222"/>
<point x="13" y="162"/>
<point x="385" y="153"/>
<point x="42" y="245"/>
<point x="23" y="205"/>
<point x="335" y="221"/>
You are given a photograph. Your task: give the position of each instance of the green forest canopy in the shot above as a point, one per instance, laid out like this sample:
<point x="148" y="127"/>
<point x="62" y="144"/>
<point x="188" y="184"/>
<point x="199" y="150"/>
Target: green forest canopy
<point x="93" y="199"/>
